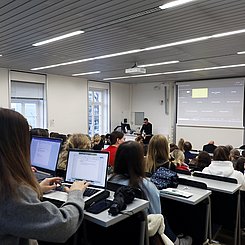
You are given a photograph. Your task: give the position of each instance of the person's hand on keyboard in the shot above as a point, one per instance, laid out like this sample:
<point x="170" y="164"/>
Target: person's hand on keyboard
<point x="49" y="184"/>
<point x="79" y="185"/>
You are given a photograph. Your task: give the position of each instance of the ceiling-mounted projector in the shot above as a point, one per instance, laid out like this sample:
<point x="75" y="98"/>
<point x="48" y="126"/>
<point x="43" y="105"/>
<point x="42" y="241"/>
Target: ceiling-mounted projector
<point x="135" y="70"/>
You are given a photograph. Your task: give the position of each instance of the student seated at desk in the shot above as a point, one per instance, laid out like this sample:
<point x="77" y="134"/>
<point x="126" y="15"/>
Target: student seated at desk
<point x="158" y="154"/>
<point x="24" y="218"/>
<point x="187" y="151"/>
<point x="178" y="160"/>
<point x="221" y="166"/>
<point x="202" y="161"/>
<point x="78" y="141"/>
<point x="129" y="170"/>
<point x="116" y="138"/>
<point x="210" y="147"/>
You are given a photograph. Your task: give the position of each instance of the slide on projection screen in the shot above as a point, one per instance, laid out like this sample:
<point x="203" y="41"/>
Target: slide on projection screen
<point x="215" y="103"/>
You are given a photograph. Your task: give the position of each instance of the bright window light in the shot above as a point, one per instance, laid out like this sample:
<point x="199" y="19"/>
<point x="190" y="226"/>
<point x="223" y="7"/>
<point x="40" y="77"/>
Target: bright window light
<point x="1" y="55"/>
<point x="85" y="73"/>
<point x="177" y="72"/>
<point x="159" y="64"/>
<point x="187" y="41"/>
<point x="58" y="38"/>
<point x="174" y="4"/>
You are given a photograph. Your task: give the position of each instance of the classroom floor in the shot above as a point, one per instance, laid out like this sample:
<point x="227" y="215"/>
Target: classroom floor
<point x="226" y="237"/>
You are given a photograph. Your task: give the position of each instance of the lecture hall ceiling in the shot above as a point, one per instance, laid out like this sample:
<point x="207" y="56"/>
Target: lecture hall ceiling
<point x="115" y="26"/>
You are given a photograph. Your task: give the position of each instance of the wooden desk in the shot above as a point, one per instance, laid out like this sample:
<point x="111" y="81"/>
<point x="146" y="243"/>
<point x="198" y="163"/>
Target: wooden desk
<point x="199" y="195"/>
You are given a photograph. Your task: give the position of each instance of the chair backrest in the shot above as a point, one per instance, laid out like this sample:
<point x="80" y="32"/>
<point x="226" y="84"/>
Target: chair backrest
<point x="192" y="183"/>
<point x="214" y="177"/>
<point x="112" y="186"/>
<point x="180" y="171"/>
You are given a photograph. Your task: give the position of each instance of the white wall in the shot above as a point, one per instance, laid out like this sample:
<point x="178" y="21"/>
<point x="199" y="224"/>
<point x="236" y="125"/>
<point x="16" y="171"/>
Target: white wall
<point x="120" y="103"/>
<point x="67" y="109"/>
<point x="199" y="136"/>
<point x="150" y="99"/>
<point x="67" y="104"/>
<point x="4" y="88"/>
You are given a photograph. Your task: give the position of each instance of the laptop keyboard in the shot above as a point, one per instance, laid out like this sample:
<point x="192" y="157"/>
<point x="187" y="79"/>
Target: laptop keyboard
<point x="90" y="191"/>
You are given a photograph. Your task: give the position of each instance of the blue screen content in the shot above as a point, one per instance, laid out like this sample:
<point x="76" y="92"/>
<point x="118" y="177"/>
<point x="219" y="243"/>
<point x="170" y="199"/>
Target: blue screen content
<point x="45" y="152"/>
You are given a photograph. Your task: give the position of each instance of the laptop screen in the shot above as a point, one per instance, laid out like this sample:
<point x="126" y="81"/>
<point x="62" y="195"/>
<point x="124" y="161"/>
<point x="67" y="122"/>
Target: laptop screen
<point x="87" y="165"/>
<point x="45" y="153"/>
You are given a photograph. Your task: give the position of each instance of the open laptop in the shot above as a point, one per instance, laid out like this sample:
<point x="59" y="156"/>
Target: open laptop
<point x="45" y="155"/>
<point x="86" y="165"/>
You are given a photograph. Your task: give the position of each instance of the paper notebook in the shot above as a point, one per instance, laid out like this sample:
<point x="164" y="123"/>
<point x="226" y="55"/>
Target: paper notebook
<point x="176" y="192"/>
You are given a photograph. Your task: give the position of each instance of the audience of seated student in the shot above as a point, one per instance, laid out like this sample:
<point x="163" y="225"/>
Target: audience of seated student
<point x="78" y="141"/>
<point x="188" y="155"/>
<point x="158" y="154"/>
<point x="39" y="132"/>
<point x="24" y="217"/>
<point x="243" y="154"/>
<point x="59" y="136"/>
<point x="229" y="147"/>
<point x="181" y="144"/>
<point x="210" y="147"/>
<point x="178" y="160"/>
<point x="240" y="164"/>
<point x="173" y="147"/>
<point x="140" y="140"/>
<point x="97" y="142"/>
<point x="221" y="166"/>
<point x="129" y="170"/>
<point x="234" y="155"/>
<point x="107" y="139"/>
<point x="116" y="138"/>
<point x="203" y="160"/>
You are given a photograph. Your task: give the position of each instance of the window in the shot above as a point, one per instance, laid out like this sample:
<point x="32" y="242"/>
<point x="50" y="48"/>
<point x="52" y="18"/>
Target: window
<point x="28" y="99"/>
<point x="98" y="116"/>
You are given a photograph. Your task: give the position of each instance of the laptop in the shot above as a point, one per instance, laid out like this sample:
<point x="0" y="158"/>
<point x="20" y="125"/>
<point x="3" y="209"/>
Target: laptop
<point x="44" y="156"/>
<point x="89" y="165"/>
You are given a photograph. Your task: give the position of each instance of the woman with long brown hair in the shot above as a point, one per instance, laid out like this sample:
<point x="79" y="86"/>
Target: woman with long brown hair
<point x="24" y="217"/>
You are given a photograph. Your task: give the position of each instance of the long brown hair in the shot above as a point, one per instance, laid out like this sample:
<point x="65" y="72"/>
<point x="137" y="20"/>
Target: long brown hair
<point x="158" y="151"/>
<point x="129" y="161"/>
<point x="15" y="167"/>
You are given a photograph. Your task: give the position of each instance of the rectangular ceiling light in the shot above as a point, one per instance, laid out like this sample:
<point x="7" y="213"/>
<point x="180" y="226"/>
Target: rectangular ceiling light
<point x="174" y="4"/>
<point x="58" y="38"/>
<point x="85" y="73"/>
<point x="177" y="72"/>
<point x="167" y="45"/>
<point x="159" y="64"/>
<point x="241" y="52"/>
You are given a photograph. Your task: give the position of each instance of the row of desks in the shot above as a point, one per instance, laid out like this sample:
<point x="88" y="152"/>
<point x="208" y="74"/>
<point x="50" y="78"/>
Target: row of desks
<point x="199" y="195"/>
